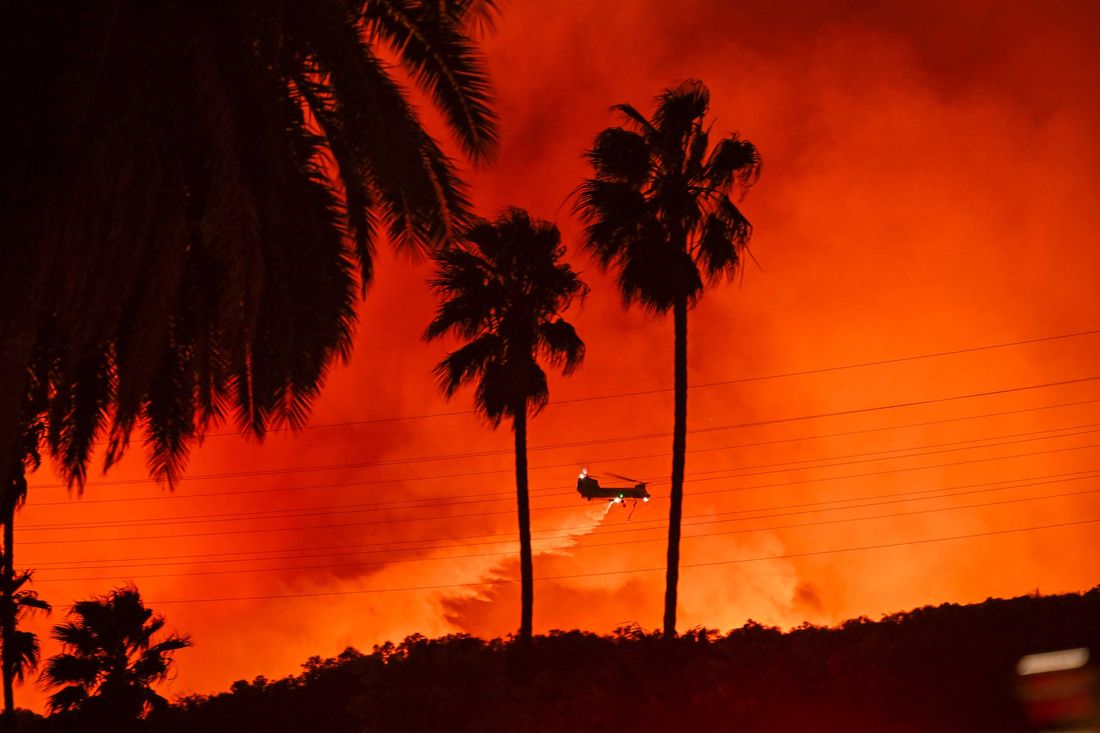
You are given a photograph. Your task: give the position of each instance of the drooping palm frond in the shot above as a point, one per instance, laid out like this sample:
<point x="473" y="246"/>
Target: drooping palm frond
<point x="559" y="343"/>
<point x="70" y="697"/>
<point x="434" y="46"/>
<point x="733" y="160"/>
<point x="469" y="362"/>
<point x="198" y="189"/>
<point x="26" y="601"/>
<point x="720" y="227"/>
<point x="620" y="156"/>
<point x="478" y="15"/>
<point x="24" y="656"/>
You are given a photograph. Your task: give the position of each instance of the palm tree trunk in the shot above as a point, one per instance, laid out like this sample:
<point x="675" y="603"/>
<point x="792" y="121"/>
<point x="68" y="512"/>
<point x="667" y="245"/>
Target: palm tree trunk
<point x="679" y="446"/>
<point x="526" y="570"/>
<point x="7" y="615"/>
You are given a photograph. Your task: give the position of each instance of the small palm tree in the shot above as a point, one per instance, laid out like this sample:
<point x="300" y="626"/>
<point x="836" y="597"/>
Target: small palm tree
<point x="659" y="211"/>
<point x="504" y="289"/>
<point x="21" y="650"/>
<point x="109" y="661"/>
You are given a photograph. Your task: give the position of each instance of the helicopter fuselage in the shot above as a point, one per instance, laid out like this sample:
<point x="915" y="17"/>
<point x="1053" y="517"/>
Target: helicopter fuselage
<point x="590" y="488"/>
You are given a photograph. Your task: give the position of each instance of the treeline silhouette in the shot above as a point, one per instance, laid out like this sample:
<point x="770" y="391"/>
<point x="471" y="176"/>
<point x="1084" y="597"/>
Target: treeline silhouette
<point x="938" y="668"/>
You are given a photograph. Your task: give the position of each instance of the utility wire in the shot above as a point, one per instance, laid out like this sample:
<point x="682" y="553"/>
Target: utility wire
<point x="601" y="545"/>
<point x="328" y="510"/>
<point x="429" y="501"/>
<point x="951" y="491"/>
<point x="740" y="488"/>
<point x="704" y="519"/>
<point x="735" y="561"/>
<point x="705" y="385"/>
<point x="757" y="423"/>
<point x="782" y="467"/>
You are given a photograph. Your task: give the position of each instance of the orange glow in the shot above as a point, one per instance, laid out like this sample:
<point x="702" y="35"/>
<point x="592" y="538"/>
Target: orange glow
<point x="930" y="183"/>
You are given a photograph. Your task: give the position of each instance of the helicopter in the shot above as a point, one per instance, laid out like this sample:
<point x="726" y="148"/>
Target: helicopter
<point x="589" y="488"/>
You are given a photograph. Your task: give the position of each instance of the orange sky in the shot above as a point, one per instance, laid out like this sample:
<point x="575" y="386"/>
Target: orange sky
<point x="930" y="184"/>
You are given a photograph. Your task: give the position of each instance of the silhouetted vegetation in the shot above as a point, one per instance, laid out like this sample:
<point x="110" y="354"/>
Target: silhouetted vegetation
<point x="19" y="650"/>
<point x="193" y="194"/>
<point x="503" y="288"/>
<point x="104" y="676"/>
<point x="946" y="669"/>
<point x="659" y="211"/>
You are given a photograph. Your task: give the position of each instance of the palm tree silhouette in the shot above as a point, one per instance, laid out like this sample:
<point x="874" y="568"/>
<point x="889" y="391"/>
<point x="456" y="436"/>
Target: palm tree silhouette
<point x="504" y="289"/>
<point x="193" y="194"/>
<point x="109" y="661"/>
<point x="659" y="211"/>
<point x="19" y="649"/>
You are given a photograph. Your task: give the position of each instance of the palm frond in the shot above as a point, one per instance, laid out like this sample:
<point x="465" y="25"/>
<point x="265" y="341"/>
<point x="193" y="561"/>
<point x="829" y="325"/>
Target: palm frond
<point x="70" y="669"/>
<point x="562" y="346"/>
<point x="620" y="155"/>
<point x="202" y="185"/>
<point x="24" y="655"/>
<point x="614" y="214"/>
<point x="416" y="191"/>
<point x="632" y="115"/>
<point x="67" y="698"/>
<point x="443" y="60"/>
<point x="733" y="159"/>
<point x="469" y="362"/>
<point x="680" y="110"/>
<point x="722" y="235"/>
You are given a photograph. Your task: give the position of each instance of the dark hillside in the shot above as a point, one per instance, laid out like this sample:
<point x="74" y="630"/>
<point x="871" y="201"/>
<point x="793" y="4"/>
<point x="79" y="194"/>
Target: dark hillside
<point x="944" y="669"/>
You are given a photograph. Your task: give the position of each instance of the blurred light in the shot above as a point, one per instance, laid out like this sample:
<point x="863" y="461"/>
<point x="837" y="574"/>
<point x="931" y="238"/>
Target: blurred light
<point x="1053" y="661"/>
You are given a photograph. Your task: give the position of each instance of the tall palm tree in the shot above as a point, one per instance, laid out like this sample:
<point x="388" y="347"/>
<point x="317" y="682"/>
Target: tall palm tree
<point x="504" y="289"/>
<point x="660" y="211"/>
<point x="193" y="193"/>
<point x="109" y="660"/>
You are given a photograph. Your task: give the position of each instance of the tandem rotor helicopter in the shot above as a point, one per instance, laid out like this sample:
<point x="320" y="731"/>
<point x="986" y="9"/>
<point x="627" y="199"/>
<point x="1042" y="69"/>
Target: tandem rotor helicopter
<point x="589" y="488"/>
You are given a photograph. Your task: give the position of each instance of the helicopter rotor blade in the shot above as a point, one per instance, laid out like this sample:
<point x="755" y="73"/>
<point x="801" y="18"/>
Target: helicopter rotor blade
<point x="625" y="478"/>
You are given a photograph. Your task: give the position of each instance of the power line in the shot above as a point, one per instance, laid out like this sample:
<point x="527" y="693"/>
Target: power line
<point x="782" y="466"/>
<point x="704" y="519"/>
<point x="294" y="513"/>
<point x="324" y="510"/>
<point x="880" y="473"/>
<point x="740" y="488"/>
<point x="758" y="423"/>
<point x="705" y="385"/>
<point x="951" y="492"/>
<point x="495" y="496"/>
<point x="784" y="556"/>
<point x="701" y="535"/>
